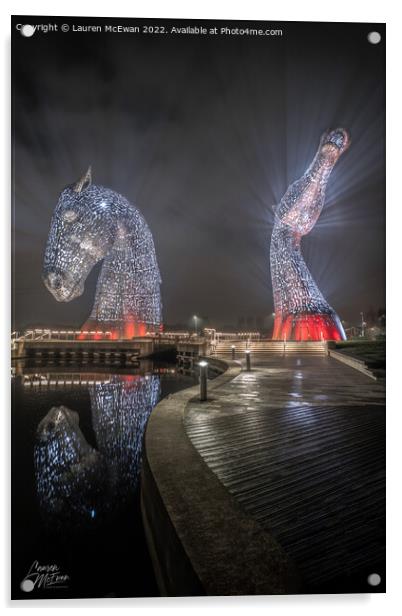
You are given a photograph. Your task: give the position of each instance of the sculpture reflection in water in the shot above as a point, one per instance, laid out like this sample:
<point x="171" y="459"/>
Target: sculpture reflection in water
<point x="81" y="484"/>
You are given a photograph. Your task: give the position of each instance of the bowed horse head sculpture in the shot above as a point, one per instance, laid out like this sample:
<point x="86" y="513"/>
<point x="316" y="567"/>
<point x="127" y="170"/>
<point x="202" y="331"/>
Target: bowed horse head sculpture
<point x="92" y="223"/>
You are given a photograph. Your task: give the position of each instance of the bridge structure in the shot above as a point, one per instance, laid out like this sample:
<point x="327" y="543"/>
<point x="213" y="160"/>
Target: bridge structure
<point x="86" y="345"/>
<point x="98" y="347"/>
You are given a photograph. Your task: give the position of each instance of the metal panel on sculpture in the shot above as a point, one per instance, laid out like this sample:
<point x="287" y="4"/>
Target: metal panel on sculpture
<point x="301" y="311"/>
<point x="91" y="223"/>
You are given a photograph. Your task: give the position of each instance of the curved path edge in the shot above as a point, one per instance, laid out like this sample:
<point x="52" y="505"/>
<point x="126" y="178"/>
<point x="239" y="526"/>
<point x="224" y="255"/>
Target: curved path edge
<point x="200" y="540"/>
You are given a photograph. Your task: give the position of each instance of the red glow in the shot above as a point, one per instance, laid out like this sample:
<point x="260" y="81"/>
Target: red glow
<point x="129" y="330"/>
<point x="306" y="327"/>
<point x="124" y="330"/>
<point x="130" y="378"/>
<point x="132" y="329"/>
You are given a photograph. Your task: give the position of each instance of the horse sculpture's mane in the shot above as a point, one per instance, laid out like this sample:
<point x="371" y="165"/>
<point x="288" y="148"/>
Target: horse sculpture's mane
<point x="301" y="312"/>
<point x="91" y="223"/>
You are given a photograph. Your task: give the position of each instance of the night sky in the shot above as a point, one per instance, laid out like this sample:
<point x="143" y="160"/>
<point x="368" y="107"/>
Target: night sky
<point x="203" y="134"/>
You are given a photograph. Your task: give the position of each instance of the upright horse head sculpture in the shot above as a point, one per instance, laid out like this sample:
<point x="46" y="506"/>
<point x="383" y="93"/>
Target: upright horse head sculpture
<point x="91" y="223"/>
<point x="301" y="312"/>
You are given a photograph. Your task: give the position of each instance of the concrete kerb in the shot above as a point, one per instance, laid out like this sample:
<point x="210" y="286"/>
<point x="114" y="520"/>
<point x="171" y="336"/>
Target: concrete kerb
<point x="200" y="540"/>
<point x="353" y="362"/>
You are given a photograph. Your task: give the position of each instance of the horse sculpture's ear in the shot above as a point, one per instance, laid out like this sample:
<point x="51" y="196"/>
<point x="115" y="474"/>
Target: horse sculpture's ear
<point x="84" y="181"/>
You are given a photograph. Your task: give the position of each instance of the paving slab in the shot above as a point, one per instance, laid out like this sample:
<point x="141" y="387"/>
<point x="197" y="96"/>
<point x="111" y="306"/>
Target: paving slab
<point x="299" y="443"/>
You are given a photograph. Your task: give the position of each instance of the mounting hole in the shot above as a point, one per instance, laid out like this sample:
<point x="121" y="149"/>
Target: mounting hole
<point x="27" y="30"/>
<point x="374" y="38"/>
<point x="27" y="585"/>
<point x="374" y="579"/>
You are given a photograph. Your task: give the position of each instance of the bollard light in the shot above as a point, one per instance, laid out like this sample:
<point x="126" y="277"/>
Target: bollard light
<point x="233" y="351"/>
<point x="248" y="361"/>
<point x="203" y="380"/>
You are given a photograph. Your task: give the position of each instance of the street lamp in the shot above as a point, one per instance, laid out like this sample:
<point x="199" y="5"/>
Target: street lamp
<point x="203" y="380"/>
<point x="195" y="324"/>
<point x="363" y="324"/>
<point x="273" y="323"/>
<point x="248" y="361"/>
<point x="233" y="351"/>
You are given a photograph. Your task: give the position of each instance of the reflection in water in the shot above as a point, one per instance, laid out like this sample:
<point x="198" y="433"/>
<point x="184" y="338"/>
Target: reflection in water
<point x="77" y="433"/>
<point x="120" y="410"/>
<point x="82" y="484"/>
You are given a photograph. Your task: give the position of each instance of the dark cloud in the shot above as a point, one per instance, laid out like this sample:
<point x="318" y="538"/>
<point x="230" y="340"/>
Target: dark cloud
<point x="204" y="134"/>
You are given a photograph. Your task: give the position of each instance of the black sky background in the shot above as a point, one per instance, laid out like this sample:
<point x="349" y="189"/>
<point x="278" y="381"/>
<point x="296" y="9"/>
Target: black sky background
<point x="203" y="134"/>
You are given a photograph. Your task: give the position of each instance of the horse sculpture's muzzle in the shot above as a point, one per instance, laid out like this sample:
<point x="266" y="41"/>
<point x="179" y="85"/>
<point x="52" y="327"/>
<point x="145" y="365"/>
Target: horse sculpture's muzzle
<point x="62" y="285"/>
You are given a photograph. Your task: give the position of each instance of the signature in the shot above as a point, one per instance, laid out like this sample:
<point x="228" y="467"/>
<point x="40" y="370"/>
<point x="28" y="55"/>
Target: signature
<point x="44" y="576"/>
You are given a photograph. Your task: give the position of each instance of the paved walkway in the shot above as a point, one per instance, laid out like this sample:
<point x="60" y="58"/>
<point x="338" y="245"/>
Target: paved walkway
<point x="300" y="444"/>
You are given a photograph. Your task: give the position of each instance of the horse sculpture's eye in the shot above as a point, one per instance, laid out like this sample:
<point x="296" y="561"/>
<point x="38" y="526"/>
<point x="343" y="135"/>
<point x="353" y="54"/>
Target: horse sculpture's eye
<point x="70" y="216"/>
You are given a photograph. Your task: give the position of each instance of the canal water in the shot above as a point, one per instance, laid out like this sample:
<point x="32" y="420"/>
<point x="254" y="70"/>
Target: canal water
<point x="77" y="435"/>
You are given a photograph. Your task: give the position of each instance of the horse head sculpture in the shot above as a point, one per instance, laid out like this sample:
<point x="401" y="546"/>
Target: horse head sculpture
<point x="91" y="223"/>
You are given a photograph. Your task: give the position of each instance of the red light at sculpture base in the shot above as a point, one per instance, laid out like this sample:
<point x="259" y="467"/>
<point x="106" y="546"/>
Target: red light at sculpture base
<point x="308" y="327"/>
<point x="125" y="330"/>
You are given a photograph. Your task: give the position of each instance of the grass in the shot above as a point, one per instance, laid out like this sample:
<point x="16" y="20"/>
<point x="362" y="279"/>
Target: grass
<point x="372" y="352"/>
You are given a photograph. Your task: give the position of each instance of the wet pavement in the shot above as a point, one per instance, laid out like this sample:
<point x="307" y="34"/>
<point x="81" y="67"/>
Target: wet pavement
<point x="299" y="442"/>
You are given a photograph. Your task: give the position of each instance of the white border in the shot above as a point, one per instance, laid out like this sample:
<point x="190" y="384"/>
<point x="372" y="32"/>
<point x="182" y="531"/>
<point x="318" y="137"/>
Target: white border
<point x="289" y="10"/>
